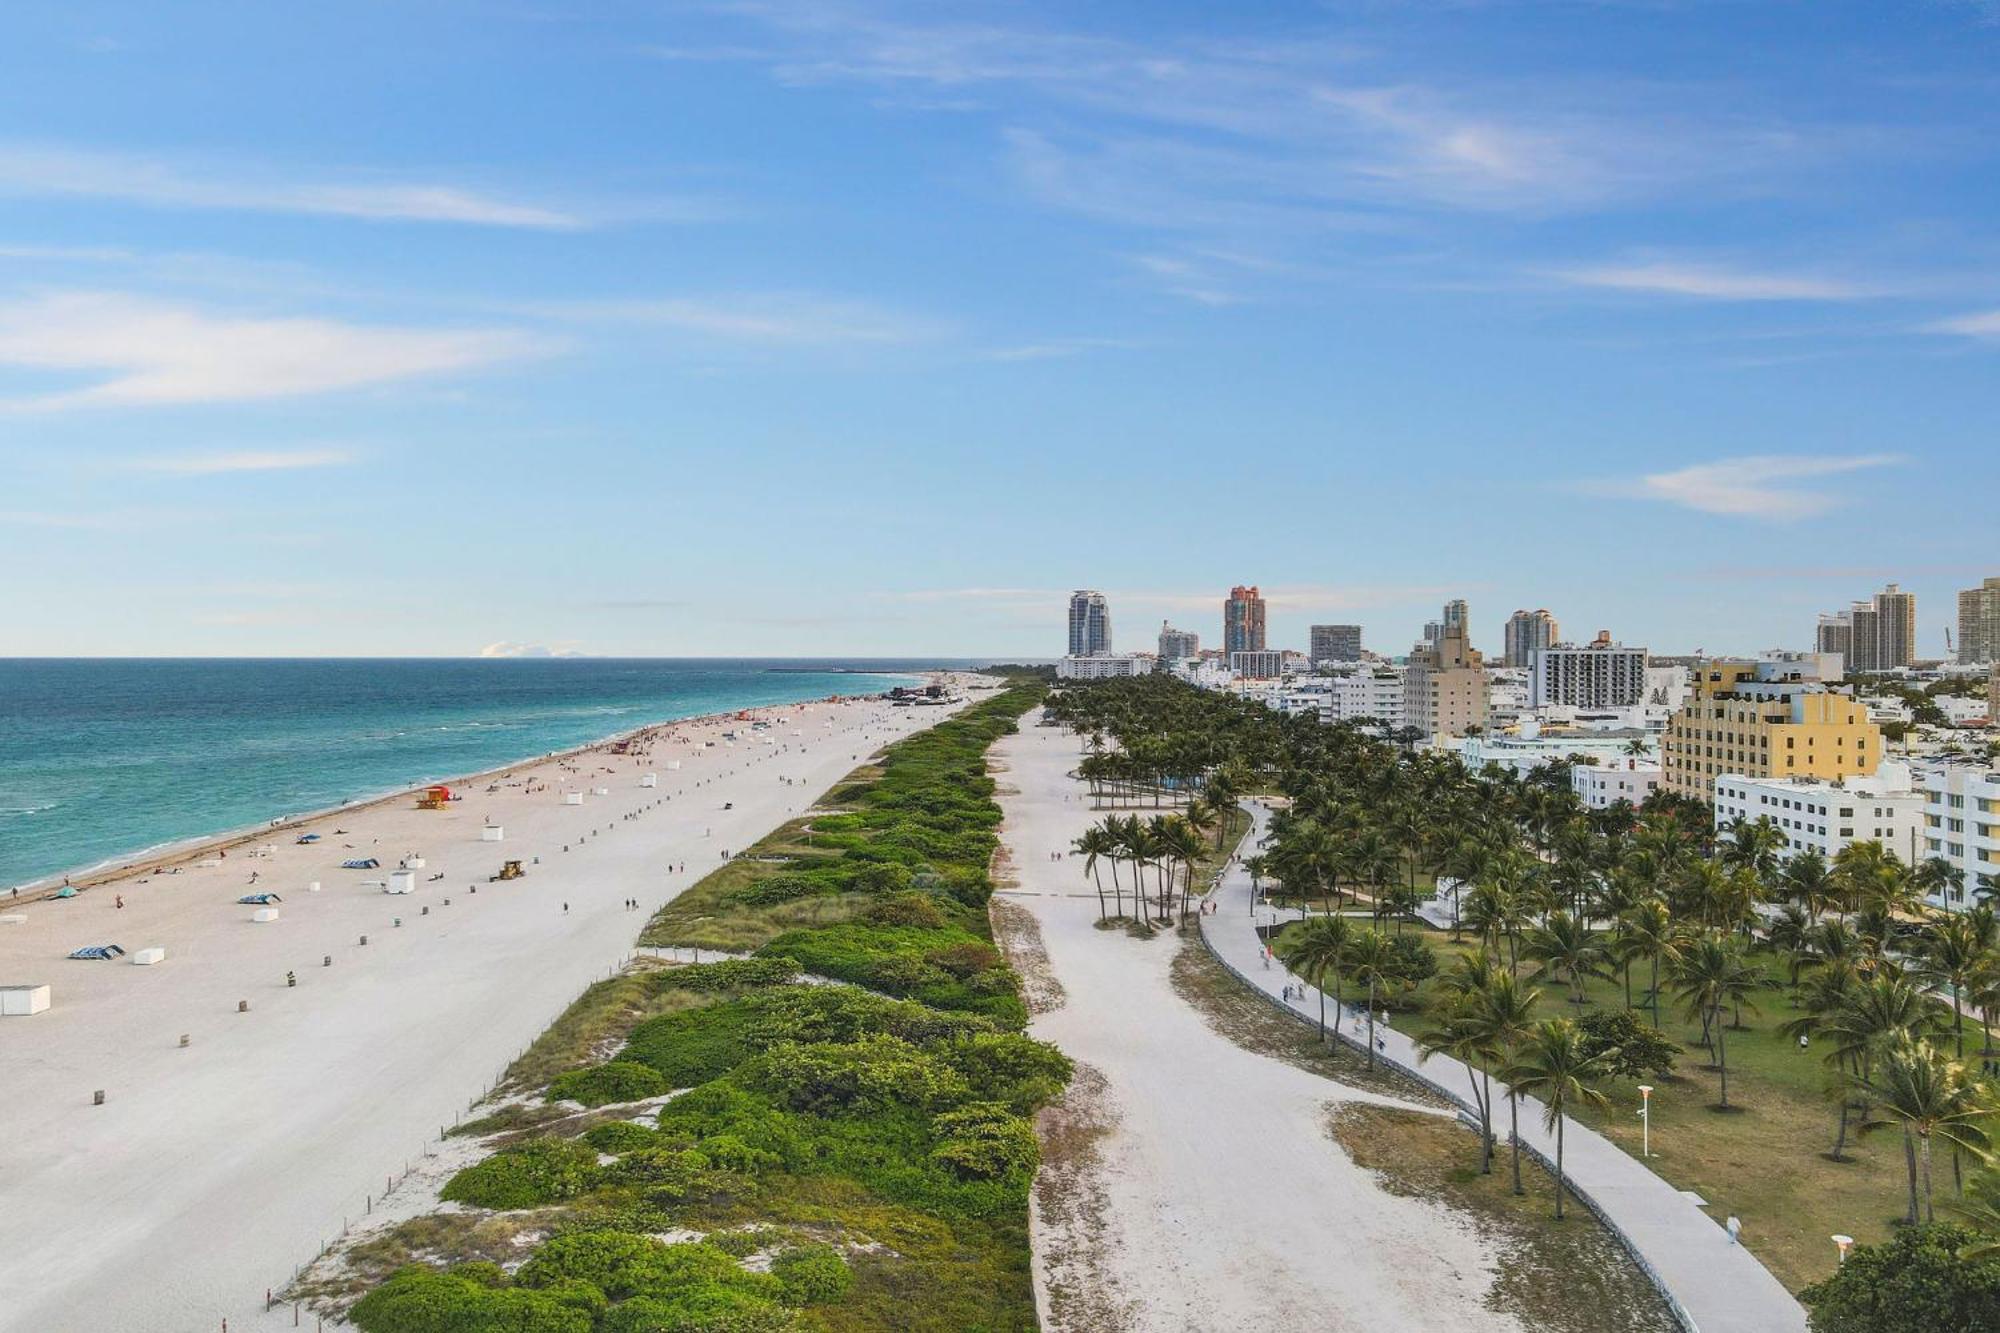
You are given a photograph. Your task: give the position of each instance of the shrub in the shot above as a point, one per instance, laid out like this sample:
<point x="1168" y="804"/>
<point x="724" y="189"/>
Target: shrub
<point x="1630" y="1049"/>
<point x="599" y="1085"/>
<point x="418" y="1299"/>
<point x="622" y="1265"/>
<point x="732" y="1153"/>
<point x="668" y="1174"/>
<point x="703" y="1312"/>
<point x="774" y="889"/>
<point x="985" y="1141"/>
<point x="907" y="909"/>
<point x="619" y="1136"/>
<point x="1913" y="1283"/>
<point x="859" y="1077"/>
<point x="1415" y="960"/>
<point x="963" y="960"/>
<point x="729" y="974"/>
<point x="539" y="1171"/>
<point x="1007" y="1067"/>
<point x="694" y="1045"/>
<point x="811" y="1275"/>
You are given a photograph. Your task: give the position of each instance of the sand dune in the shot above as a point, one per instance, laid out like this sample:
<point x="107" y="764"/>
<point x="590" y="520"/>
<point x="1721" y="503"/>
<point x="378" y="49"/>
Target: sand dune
<point x="213" y="1170"/>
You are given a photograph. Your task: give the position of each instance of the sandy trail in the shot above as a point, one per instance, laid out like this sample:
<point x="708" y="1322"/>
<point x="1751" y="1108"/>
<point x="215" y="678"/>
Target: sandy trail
<point x="213" y="1171"/>
<point x="1190" y="1184"/>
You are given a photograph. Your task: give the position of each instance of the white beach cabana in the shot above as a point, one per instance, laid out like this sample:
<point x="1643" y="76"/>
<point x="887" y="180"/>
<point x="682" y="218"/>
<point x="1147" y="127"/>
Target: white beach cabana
<point x="149" y="956"/>
<point x="24" y="1001"/>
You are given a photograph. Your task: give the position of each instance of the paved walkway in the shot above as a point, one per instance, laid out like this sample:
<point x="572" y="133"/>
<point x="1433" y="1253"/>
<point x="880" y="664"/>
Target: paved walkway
<point x="1715" y="1285"/>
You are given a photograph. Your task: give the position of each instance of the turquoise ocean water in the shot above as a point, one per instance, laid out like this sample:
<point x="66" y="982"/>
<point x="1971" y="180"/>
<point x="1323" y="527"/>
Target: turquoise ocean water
<point x="103" y="759"/>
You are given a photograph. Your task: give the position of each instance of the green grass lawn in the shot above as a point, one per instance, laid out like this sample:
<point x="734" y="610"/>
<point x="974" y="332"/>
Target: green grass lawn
<point x="1764" y="1160"/>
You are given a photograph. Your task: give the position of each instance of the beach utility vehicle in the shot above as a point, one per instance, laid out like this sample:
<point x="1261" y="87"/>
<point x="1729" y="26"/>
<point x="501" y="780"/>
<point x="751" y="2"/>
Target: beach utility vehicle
<point x="259" y="899"/>
<point x="508" y="870"/>
<point x="98" y="953"/>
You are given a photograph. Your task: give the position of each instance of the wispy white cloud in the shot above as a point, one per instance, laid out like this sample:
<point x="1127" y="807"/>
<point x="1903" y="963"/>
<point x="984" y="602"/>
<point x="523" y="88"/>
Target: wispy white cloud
<point x="36" y="170"/>
<point x="1712" y="283"/>
<point x="978" y="594"/>
<point x="155" y="352"/>
<point x="1985" y="324"/>
<point x="1051" y="349"/>
<point x="1308" y="129"/>
<point x="763" y="317"/>
<point x="1764" y="486"/>
<point x="508" y="648"/>
<point x="244" y="460"/>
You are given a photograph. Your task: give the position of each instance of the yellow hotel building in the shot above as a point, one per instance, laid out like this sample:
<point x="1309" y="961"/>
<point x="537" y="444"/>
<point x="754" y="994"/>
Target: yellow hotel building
<point x="1767" y="719"/>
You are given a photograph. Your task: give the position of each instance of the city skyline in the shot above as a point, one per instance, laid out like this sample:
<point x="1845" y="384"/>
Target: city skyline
<point x="767" y="329"/>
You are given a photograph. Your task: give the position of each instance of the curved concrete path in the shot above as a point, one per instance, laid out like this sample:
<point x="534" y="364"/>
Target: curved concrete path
<point x="1715" y="1285"/>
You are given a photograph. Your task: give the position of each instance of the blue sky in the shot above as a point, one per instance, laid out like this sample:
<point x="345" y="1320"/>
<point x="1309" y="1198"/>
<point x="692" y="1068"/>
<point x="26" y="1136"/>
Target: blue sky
<point x="873" y="328"/>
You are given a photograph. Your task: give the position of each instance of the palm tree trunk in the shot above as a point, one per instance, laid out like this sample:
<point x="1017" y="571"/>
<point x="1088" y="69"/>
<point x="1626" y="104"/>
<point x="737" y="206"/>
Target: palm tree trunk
<point x="1559" y="1165"/>
<point x="1656" y="990"/>
<point x="1722" y="1056"/>
<point x="1371" y="1024"/>
<point x="1514" y="1136"/>
<point x="1486" y="1125"/>
<point x="1924" y="1150"/>
<point x="1910" y="1162"/>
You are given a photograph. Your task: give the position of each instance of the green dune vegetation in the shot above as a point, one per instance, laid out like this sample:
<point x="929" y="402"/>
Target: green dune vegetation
<point x="1793" y="1017"/>
<point x="832" y="1134"/>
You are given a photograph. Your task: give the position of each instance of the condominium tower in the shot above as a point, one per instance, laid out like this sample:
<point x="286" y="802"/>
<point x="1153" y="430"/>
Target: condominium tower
<point x="1599" y="675"/>
<point x="1243" y="621"/>
<point x="1336" y="643"/>
<point x="1089" y="624"/>
<point x="1979" y="624"/>
<point x="1528" y="632"/>
<point x="1178" y="644"/>
<point x="1879" y="634"/>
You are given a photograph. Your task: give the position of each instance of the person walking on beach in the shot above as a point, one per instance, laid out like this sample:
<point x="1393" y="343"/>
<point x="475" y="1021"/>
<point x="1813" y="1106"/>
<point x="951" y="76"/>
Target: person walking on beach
<point x="565" y="908"/>
<point x="120" y="900"/>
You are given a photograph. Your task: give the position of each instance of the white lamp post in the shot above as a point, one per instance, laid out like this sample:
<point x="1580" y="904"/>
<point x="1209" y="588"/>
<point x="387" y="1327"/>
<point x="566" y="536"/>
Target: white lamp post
<point x="1843" y="1244"/>
<point x="1645" y="1121"/>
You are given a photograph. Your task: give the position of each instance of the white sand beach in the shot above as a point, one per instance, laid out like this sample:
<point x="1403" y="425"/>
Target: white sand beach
<point x="1194" y="1186"/>
<point x="213" y="1170"/>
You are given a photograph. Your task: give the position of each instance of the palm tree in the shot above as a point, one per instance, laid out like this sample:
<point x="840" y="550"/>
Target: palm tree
<point x="1568" y="948"/>
<point x="1790" y="933"/>
<point x="1458" y="1003"/>
<point x="1093" y="844"/>
<point x="1647" y="931"/>
<point x="1553" y="1064"/>
<point x="1954" y="956"/>
<point x="1935" y="877"/>
<point x="1183" y="843"/>
<point x="1503" y="1017"/>
<point x="1373" y="962"/>
<point x="1316" y="948"/>
<point x="1930" y="1096"/>
<point x="1981" y="1207"/>
<point x="1752" y="845"/>
<point x="1709" y="975"/>
<point x="1807" y="881"/>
